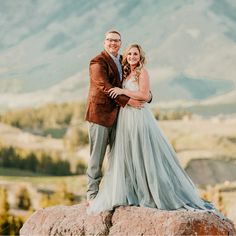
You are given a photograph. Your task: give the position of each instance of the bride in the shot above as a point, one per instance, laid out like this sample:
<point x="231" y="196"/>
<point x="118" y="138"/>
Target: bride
<point x="143" y="167"/>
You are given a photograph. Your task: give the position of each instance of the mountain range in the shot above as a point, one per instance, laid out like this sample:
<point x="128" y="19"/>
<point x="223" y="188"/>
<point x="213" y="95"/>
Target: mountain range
<point x="46" y="46"/>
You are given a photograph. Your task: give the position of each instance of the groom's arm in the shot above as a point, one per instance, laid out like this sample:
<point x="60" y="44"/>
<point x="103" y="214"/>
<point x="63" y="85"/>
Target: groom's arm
<point x="99" y="77"/>
<point x="138" y="103"/>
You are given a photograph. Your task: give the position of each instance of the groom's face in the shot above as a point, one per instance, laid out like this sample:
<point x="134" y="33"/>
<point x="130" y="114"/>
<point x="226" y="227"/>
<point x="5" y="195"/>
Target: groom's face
<point x="112" y="43"/>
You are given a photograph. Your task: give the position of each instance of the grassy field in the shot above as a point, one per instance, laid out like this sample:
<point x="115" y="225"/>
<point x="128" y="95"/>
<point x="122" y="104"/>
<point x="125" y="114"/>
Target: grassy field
<point x="213" y="138"/>
<point x="16" y="172"/>
<point x="75" y="184"/>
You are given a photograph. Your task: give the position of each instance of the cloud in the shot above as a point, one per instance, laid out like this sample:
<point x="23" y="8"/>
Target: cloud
<point x="4" y="70"/>
<point x="21" y="19"/>
<point x="193" y="32"/>
<point x="57" y="40"/>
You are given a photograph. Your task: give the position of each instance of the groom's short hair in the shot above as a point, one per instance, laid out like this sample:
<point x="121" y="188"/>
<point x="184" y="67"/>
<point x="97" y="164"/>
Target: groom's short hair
<point x="112" y="32"/>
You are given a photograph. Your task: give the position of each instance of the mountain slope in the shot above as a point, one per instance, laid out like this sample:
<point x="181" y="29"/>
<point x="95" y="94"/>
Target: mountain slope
<point x="45" y="44"/>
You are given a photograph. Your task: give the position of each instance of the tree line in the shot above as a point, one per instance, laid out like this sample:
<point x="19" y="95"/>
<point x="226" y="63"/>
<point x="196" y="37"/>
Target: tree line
<point x="41" y="163"/>
<point x="48" y="116"/>
<point x="63" y="121"/>
<point x="165" y="114"/>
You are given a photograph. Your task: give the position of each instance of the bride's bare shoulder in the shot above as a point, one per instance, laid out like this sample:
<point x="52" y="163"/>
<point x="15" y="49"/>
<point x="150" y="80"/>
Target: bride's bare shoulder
<point x="144" y="72"/>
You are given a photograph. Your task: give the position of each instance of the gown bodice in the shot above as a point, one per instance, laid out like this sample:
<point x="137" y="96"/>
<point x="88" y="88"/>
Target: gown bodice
<point x="131" y="84"/>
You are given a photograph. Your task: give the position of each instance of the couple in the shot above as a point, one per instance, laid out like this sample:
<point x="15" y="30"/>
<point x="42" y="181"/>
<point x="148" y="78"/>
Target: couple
<point x="143" y="169"/>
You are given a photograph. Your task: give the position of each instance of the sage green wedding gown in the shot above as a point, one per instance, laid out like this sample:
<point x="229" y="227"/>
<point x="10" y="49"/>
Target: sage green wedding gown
<point x="143" y="168"/>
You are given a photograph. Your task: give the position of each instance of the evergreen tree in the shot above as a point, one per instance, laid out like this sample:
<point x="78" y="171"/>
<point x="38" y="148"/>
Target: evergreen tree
<point x="4" y="225"/>
<point x="23" y="199"/>
<point x="81" y="167"/>
<point x="31" y="162"/>
<point x="4" y="205"/>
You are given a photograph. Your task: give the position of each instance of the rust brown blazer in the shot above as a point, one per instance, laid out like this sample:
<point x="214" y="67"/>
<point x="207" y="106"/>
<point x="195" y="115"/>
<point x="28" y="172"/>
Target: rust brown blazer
<point x="101" y="109"/>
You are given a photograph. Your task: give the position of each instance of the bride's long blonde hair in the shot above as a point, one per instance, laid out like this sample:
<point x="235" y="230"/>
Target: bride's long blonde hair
<point x="126" y="66"/>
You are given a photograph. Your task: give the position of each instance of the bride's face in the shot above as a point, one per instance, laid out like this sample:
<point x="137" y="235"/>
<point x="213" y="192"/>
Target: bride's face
<point x="133" y="56"/>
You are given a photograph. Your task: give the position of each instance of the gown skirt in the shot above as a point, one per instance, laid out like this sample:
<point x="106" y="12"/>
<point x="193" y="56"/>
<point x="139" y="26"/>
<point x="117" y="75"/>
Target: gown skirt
<point x="143" y="169"/>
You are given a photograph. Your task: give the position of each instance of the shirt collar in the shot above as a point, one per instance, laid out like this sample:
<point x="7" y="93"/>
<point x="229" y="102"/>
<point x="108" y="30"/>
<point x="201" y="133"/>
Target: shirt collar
<point x="113" y="57"/>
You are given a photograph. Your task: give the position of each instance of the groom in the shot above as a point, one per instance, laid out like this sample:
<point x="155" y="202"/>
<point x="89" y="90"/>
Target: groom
<point x="105" y="72"/>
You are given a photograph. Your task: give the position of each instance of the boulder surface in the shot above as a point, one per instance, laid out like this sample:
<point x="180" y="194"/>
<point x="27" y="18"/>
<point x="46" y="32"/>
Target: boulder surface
<point x="124" y="220"/>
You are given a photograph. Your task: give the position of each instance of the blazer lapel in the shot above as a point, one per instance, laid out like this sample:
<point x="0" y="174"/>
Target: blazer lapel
<point x="113" y="65"/>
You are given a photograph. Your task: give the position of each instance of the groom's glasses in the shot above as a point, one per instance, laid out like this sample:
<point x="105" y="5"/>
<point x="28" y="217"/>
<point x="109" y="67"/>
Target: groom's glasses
<point x="113" y="40"/>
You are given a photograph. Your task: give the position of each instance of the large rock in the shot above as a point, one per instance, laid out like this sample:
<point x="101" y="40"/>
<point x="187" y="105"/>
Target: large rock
<point x="73" y="220"/>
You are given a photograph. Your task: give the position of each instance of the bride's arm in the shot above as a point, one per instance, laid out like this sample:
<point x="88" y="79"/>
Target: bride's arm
<point x="143" y="92"/>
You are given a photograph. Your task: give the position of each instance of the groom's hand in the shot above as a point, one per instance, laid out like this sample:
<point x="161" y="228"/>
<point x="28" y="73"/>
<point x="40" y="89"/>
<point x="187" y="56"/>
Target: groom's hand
<point x="135" y="103"/>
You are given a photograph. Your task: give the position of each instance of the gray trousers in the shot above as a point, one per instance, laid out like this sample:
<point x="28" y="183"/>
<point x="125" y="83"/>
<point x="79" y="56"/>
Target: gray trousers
<point x="99" y="138"/>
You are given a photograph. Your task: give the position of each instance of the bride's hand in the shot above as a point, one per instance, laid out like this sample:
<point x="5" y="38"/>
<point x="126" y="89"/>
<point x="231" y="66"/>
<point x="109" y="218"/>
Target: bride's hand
<point x="114" y="92"/>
